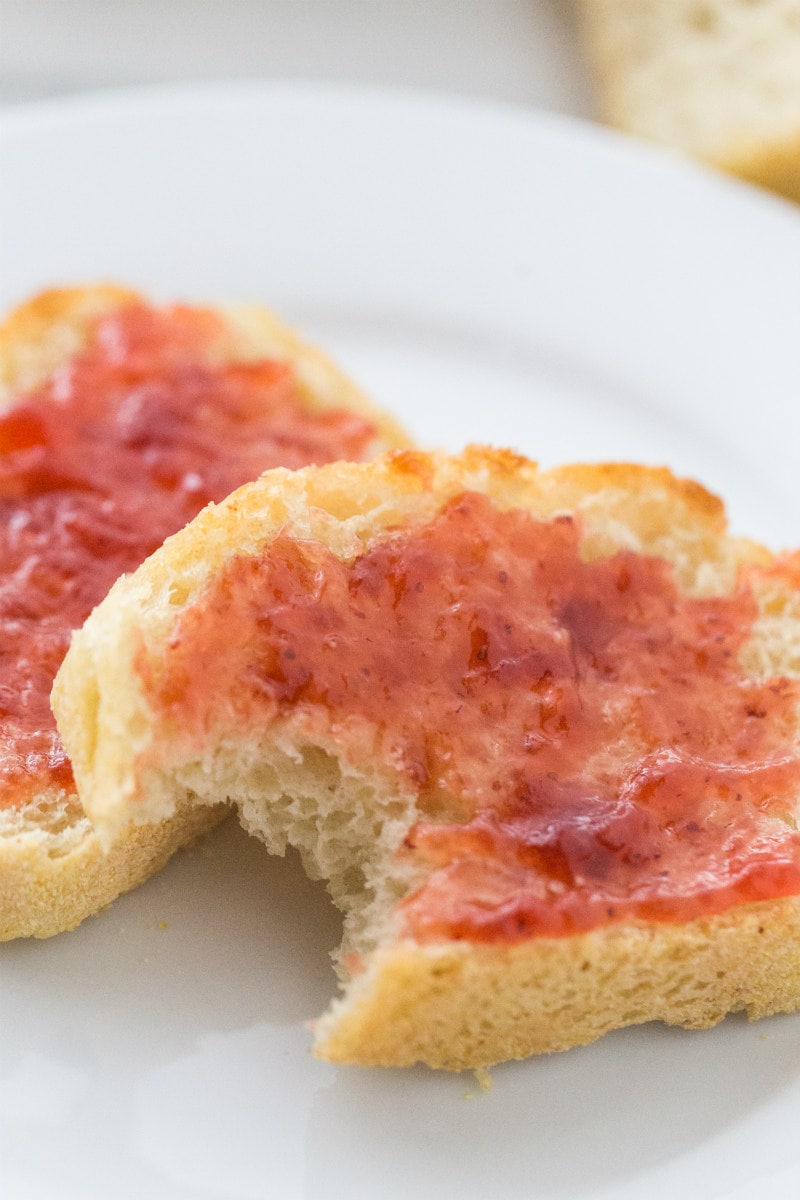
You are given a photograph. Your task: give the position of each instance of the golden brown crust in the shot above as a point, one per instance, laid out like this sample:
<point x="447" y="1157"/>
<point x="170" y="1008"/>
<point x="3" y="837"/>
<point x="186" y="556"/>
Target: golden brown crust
<point x="346" y="505"/>
<point x="45" y="889"/>
<point x="449" y="1005"/>
<point x="458" y="1006"/>
<point x="54" y="873"/>
<point x="46" y="330"/>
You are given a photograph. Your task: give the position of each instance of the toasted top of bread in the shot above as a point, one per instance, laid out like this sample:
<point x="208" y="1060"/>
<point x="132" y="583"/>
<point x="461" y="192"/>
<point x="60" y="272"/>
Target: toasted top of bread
<point x="718" y="79"/>
<point x="538" y="729"/>
<point x="118" y="421"/>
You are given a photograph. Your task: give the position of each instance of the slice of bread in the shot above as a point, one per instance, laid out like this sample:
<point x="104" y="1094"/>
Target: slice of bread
<point x="538" y="730"/>
<point x="52" y="870"/>
<point x="718" y="79"/>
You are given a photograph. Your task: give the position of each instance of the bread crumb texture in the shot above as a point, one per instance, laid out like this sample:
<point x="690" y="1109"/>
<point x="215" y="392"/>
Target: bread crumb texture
<point x="717" y="79"/>
<point x="54" y="871"/>
<point x="297" y="780"/>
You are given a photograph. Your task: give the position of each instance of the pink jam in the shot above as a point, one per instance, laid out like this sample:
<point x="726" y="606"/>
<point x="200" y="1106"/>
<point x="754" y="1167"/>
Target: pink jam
<point x="119" y="449"/>
<point x="582" y="739"/>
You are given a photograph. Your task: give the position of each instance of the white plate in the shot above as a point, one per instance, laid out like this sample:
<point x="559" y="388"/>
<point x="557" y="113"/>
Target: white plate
<point x="488" y="274"/>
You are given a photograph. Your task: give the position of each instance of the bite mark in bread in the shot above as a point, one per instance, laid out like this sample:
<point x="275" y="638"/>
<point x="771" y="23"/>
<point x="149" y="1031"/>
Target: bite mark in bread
<point x="119" y="421"/>
<point x="441" y="840"/>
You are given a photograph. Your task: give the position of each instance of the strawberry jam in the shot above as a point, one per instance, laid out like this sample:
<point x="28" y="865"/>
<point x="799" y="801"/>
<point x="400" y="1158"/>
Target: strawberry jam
<point x="117" y="450"/>
<point x="583" y="742"/>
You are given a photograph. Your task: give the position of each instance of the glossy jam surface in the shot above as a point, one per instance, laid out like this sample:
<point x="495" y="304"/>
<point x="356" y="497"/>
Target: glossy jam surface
<point x="583" y="741"/>
<point x="119" y="449"/>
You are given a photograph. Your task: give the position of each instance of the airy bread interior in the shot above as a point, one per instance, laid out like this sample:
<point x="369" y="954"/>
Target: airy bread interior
<point x="450" y="1004"/>
<point x="53" y="872"/>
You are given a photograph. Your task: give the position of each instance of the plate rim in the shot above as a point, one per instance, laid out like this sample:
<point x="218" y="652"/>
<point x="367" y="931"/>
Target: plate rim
<point x="105" y="104"/>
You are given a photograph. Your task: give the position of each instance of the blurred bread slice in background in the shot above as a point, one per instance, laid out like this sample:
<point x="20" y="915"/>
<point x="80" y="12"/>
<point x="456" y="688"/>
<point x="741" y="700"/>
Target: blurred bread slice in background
<point x="717" y="79"/>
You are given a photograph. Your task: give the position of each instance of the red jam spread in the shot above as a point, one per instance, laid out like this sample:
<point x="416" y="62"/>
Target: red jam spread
<point x="583" y="741"/>
<point x="118" y="449"/>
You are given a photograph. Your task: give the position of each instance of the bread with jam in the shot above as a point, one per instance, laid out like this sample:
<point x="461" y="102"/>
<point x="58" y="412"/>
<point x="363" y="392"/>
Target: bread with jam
<point x="537" y="729"/>
<point x="119" y="421"/>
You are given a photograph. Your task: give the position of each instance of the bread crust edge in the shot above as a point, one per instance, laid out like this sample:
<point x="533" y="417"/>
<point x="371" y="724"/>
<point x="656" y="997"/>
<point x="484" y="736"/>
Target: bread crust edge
<point x="454" y="1007"/>
<point x="44" y="892"/>
<point x="48" y="885"/>
<point x="428" y="1002"/>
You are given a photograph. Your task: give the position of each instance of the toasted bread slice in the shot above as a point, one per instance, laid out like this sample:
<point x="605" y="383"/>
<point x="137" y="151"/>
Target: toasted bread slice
<point x="88" y="421"/>
<point x="719" y="80"/>
<point x="538" y="730"/>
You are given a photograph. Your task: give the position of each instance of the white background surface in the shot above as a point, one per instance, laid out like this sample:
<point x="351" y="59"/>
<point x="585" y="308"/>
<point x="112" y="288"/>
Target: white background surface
<point x="486" y="273"/>
<point x="172" y="1063"/>
<point x="520" y="50"/>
